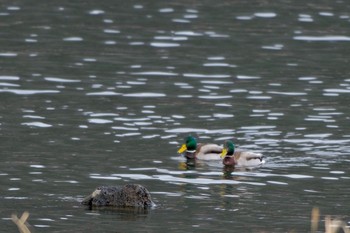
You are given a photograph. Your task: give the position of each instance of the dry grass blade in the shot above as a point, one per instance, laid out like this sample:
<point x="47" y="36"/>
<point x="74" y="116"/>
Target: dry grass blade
<point x="315" y="217"/>
<point x="21" y="222"/>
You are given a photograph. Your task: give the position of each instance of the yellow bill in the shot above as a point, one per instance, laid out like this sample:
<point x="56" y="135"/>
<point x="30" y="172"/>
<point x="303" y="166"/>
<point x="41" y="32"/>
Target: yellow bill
<point x="223" y="153"/>
<point x="182" y="149"/>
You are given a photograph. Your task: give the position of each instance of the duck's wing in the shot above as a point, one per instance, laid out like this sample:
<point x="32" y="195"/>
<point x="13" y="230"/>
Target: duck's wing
<point x="249" y="159"/>
<point x="209" y="151"/>
<point x="210" y="148"/>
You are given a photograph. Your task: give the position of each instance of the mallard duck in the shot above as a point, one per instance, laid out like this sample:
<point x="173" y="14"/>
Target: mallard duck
<point x="194" y="150"/>
<point x="240" y="158"/>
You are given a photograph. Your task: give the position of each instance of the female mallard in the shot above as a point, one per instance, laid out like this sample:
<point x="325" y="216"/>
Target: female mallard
<point x="240" y="158"/>
<point x="200" y="151"/>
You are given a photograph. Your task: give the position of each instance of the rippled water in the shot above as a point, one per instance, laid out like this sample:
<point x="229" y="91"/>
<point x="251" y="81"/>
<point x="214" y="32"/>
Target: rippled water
<point x="104" y="93"/>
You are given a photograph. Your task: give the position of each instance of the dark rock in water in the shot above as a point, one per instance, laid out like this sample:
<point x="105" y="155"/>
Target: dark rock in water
<point x="130" y="195"/>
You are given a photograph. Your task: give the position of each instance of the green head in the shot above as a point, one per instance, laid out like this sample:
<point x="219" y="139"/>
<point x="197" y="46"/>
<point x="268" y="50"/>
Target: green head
<point x="190" y="145"/>
<point x="230" y="147"/>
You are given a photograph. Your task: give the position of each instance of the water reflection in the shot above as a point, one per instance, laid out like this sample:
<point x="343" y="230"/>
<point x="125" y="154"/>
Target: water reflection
<point x="227" y="172"/>
<point x="123" y="214"/>
<point x="190" y="164"/>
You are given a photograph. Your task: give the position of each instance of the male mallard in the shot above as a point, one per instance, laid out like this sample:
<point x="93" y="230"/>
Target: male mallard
<point x="240" y="158"/>
<point x="200" y="151"/>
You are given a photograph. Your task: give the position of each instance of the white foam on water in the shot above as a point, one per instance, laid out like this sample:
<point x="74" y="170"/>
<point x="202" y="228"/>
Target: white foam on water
<point x="9" y="78"/>
<point x="277" y="182"/>
<point x="193" y="75"/>
<point x="8" y="54"/>
<point x="99" y="121"/>
<point x="145" y="95"/>
<point x="73" y="39"/>
<point x="29" y="92"/>
<point x="9" y="84"/>
<point x="61" y="80"/>
<point x="104" y="177"/>
<point x="322" y="38"/>
<point x="335" y="90"/>
<point x="245" y="77"/>
<point x="164" y="45"/>
<point x="96" y="12"/>
<point x="265" y="14"/>
<point x="37" y="166"/>
<point x="154" y="73"/>
<point x="103" y="93"/>
<point x="37" y="124"/>
<point x="188" y="33"/>
<point x="214" y="97"/>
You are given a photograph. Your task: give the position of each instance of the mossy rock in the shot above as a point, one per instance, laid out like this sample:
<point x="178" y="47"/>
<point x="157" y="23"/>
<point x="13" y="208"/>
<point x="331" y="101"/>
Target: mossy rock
<point x="130" y="195"/>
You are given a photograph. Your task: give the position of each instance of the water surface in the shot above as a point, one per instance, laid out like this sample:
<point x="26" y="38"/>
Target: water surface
<point x="105" y="92"/>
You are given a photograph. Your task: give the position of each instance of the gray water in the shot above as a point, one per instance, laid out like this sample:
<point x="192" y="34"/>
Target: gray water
<point x="104" y="92"/>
